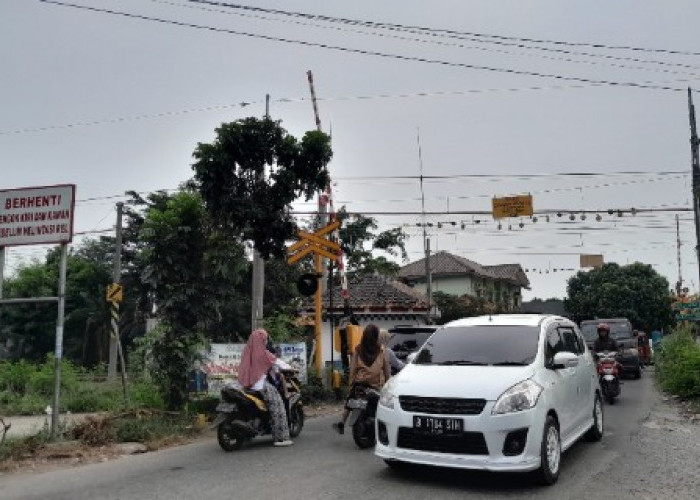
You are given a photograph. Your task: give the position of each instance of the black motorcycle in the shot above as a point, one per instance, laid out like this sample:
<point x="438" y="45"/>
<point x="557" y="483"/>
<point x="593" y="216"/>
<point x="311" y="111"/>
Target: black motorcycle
<point x="363" y="411"/>
<point x="243" y="414"/>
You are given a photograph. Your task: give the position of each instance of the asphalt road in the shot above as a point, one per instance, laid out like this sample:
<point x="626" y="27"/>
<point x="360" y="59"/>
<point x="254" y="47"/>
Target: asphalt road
<point x="648" y="452"/>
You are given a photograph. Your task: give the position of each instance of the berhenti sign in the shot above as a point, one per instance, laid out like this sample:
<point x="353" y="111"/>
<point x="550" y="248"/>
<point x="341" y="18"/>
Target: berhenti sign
<point x="37" y="215"/>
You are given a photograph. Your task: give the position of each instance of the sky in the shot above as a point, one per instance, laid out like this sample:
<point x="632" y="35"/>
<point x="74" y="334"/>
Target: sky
<point x="115" y="102"/>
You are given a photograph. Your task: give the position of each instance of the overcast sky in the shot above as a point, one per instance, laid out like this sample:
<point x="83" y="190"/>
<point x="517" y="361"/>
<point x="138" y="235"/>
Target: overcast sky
<point x="114" y="103"/>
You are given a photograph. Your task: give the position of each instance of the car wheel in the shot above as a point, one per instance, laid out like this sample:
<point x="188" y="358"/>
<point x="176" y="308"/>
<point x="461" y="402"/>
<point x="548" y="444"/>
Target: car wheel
<point x="638" y="373"/>
<point x="550" y="453"/>
<point x="595" y="433"/>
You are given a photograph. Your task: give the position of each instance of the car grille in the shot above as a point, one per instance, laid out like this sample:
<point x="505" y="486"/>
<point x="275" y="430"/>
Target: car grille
<point x="466" y="443"/>
<point x="442" y="406"/>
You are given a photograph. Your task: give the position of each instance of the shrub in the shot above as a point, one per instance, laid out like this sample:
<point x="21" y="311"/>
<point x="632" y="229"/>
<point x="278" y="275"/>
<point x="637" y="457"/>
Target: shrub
<point x="678" y="364"/>
<point x="42" y="379"/>
<point x="15" y="376"/>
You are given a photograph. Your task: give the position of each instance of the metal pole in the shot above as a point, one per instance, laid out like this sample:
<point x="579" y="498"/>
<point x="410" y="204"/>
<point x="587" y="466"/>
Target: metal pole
<point x="679" y="284"/>
<point x="429" y="277"/>
<point x="318" y="260"/>
<point x="116" y="278"/>
<point x="426" y="240"/>
<point x="59" y="340"/>
<point x="2" y="277"/>
<point x="331" y="318"/>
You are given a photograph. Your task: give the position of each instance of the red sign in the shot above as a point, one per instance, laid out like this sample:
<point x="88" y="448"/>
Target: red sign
<point x="37" y="215"/>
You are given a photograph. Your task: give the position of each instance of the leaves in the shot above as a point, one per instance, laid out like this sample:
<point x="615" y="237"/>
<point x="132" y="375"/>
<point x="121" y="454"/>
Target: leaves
<point x="635" y="292"/>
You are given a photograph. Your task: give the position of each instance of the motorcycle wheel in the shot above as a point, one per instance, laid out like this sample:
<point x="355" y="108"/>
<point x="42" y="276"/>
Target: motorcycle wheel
<point x="363" y="433"/>
<point x="296" y="421"/>
<point x="228" y="438"/>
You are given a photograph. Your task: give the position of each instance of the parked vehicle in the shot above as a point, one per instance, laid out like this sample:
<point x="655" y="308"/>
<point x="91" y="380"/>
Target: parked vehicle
<point x="498" y="393"/>
<point x="609" y="375"/>
<point x="621" y="331"/>
<point x="363" y="411"/>
<point x="406" y="340"/>
<point x="243" y="414"/>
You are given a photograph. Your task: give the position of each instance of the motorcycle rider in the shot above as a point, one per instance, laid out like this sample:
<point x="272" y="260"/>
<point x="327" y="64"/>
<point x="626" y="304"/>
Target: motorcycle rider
<point x="256" y="363"/>
<point x="604" y="342"/>
<point x="368" y="367"/>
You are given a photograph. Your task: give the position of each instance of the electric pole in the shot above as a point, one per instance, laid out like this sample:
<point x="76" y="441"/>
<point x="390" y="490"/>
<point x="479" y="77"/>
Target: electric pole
<point x="116" y="278"/>
<point x="258" y="262"/>
<point x="426" y="240"/>
<point x="694" y="145"/>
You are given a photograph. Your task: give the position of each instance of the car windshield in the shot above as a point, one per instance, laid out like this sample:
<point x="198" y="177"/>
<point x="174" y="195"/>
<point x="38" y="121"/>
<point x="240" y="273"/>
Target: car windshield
<point x="617" y="330"/>
<point x="481" y="345"/>
<point x="408" y="340"/>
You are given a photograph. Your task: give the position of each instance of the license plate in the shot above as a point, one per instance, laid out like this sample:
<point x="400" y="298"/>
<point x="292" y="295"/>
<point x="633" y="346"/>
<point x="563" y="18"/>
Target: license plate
<point x="437" y="426"/>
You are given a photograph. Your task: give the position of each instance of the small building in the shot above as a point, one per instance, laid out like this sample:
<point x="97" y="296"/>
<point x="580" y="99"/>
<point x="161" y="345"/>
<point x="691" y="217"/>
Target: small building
<point x="454" y="275"/>
<point x="373" y="299"/>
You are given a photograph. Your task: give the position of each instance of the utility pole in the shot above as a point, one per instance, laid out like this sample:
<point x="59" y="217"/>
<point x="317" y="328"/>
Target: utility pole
<point x="679" y="284"/>
<point x="426" y="240"/>
<point x="58" y="353"/>
<point x="116" y="278"/>
<point x="694" y="146"/>
<point x="258" y="262"/>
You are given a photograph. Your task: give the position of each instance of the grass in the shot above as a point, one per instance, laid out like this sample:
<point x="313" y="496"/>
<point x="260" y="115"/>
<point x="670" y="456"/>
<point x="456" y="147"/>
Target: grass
<point x="678" y="364"/>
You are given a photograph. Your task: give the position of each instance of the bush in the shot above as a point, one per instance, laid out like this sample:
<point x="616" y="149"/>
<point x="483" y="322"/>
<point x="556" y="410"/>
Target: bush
<point x="206" y="405"/>
<point x="29" y="404"/>
<point x="15" y="377"/>
<point x="678" y="364"/>
<point x="42" y="379"/>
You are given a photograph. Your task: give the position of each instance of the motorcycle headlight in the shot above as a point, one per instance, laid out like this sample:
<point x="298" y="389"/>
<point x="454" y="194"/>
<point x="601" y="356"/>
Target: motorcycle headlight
<point x="522" y="396"/>
<point x="387" y="398"/>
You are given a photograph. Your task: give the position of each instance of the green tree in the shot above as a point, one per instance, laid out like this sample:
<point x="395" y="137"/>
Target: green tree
<point x="454" y="307"/>
<point x="361" y="242"/>
<point x="252" y="172"/>
<point x="636" y="292"/>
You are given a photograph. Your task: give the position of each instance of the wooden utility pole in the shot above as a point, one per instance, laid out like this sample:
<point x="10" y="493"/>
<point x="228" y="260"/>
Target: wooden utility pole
<point x="695" y="155"/>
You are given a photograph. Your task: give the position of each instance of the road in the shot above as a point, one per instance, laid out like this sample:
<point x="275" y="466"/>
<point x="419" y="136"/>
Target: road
<point x="648" y="452"/>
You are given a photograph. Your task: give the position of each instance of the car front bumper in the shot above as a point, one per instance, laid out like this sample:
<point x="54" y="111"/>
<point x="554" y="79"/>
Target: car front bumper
<point x="494" y="428"/>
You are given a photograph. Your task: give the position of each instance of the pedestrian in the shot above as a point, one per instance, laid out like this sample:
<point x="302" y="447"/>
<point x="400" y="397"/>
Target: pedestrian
<point x="395" y="363"/>
<point x="256" y="363"/>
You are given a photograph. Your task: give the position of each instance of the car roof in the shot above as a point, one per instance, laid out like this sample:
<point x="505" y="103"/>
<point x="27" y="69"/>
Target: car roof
<point x="413" y="328"/>
<point x="506" y="320"/>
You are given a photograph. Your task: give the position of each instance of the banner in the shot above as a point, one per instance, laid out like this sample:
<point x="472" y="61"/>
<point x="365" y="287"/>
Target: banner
<point x="220" y="365"/>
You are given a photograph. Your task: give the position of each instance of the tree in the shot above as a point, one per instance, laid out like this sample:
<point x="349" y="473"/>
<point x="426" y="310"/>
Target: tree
<point x="361" y="242"/>
<point x="453" y="307"/>
<point x="252" y="172"/>
<point x="635" y="292"/>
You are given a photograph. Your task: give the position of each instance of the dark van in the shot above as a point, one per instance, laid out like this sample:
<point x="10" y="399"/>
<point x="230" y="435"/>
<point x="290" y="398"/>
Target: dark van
<point x="620" y="330"/>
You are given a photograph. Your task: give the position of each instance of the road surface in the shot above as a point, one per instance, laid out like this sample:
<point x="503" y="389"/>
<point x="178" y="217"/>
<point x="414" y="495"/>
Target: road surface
<point x="648" y="452"/>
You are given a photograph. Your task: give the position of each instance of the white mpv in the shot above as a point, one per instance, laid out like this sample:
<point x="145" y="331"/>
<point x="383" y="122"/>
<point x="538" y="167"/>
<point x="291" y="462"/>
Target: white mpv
<point x="497" y="393"/>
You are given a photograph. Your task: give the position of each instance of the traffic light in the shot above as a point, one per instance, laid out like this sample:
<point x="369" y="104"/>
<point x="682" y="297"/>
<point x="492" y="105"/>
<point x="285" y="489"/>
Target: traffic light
<point x="307" y="284"/>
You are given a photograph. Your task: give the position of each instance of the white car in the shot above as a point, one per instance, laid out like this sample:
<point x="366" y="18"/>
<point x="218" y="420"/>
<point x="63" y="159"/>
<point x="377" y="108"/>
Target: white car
<point x="497" y="393"/>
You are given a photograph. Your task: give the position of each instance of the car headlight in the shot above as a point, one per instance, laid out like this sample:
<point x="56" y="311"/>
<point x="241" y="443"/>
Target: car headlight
<point x="522" y="396"/>
<point x="387" y="398"/>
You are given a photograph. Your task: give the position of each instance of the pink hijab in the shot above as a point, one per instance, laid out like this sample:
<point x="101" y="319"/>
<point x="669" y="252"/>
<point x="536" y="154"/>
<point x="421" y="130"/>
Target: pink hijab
<point x="256" y="360"/>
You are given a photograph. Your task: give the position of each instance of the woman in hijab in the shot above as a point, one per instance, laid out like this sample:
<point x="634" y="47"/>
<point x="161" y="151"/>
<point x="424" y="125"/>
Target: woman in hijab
<point x="368" y="367"/>
<point x="256" y="362"/>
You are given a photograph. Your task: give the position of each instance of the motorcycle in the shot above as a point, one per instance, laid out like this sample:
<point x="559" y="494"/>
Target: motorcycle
<point x="243" y="414"/>
<point x="609" y="375"/>
<point x="363" y="410"/>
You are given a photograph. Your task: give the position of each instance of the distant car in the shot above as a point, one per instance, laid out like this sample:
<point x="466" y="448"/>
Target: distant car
<point x="406" y="340"/>
<point x="620" y="330"/>
<point x="504" y="393"/>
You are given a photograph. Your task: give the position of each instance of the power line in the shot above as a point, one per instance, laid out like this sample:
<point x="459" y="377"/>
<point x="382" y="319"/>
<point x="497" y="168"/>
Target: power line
<point x="404" y="27"/>
<point x="230" y="11"/>
<point x="385" y="55"/>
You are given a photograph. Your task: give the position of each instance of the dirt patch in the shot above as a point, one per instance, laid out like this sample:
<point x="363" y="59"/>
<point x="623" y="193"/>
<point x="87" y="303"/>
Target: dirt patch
<point x="74" y="453"/>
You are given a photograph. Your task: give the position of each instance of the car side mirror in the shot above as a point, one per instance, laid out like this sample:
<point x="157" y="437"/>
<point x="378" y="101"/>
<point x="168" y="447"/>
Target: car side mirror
<point x="411" y="357"/>
<point x="564" y="359"/>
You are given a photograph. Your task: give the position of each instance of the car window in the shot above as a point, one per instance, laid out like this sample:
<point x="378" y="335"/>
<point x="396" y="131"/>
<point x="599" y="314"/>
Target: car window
<point x="481" y="345"/>
<point x="553" y="345"/>
<point x="570" y="339"/>
<point x="408" y="340"/>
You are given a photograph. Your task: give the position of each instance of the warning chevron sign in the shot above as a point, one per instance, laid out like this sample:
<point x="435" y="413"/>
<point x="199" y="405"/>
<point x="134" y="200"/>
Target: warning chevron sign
<point x="115" y="292"/>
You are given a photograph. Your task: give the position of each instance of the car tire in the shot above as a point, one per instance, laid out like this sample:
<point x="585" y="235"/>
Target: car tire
<point x="550" y="453"/>
<point x="638" y="373"/>
<point x="595" y="433"/>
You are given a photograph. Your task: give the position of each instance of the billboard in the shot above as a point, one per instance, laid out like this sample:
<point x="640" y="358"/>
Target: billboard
<point x="37" y="215"/>
<point x="512" y="206"/>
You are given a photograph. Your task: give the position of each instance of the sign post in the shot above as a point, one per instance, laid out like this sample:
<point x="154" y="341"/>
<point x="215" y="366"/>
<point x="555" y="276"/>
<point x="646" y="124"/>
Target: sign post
<point x="35" y="216"/>
<point x="315" y="243"/>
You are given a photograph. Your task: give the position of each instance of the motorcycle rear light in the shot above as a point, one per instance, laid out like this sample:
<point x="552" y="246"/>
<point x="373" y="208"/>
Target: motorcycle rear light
<point x="515" y="443"/>
<point x="382" y="433"/>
